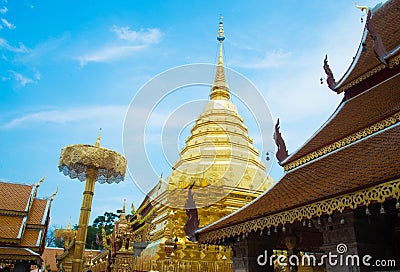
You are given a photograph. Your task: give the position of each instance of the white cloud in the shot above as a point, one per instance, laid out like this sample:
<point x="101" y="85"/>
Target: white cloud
<point x="273" y="59"/>
<point x="21" y="79"/>
<point x="8" y="24"/>
<point x="150" y="35"/>
<point x="129" y="42"/>
<point x="109" y="53"/>
<point x="3" y="10"/>
<point x="59" y="116"/>
<point x="15" y="49"/>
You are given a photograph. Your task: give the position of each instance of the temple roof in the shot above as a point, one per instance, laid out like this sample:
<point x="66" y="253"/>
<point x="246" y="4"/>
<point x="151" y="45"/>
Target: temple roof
<point x="366" y="63"/>
<point x="24" y="218"/>
<point x="20" y="193"/>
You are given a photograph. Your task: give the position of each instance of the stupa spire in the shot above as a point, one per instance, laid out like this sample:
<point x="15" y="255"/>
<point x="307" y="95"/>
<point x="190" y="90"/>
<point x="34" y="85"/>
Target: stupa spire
<point x="220" y="89"/>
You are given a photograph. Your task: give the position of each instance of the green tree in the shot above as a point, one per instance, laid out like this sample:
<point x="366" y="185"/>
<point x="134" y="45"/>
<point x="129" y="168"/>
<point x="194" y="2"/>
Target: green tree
<point x="107" y="221"/>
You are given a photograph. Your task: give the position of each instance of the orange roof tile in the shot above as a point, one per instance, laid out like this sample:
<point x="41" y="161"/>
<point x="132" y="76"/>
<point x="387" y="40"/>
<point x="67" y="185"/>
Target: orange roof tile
<point x="37" y="212"/>
<point x="10" y="226"/>
<point x="31" y="238"/>
<point x="14" y="197"/>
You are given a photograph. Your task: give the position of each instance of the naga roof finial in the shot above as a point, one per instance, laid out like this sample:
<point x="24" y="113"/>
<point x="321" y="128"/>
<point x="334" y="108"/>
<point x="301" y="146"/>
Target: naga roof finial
<point x="362" y="8"/>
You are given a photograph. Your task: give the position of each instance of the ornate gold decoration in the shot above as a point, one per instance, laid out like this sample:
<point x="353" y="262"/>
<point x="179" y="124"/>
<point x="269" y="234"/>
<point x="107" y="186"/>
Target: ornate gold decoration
<point x="76" y="159"/>
<point x="395" y="118"/>
<point x="379" y="193"/>
<point x="363" y="77"/>
<point x="395" y="61"/>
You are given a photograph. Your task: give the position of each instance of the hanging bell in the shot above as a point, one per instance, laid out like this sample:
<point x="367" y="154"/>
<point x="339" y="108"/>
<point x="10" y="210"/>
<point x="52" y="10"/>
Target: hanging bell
<point x="367" y="212"/>
<point x="382" y="211"/>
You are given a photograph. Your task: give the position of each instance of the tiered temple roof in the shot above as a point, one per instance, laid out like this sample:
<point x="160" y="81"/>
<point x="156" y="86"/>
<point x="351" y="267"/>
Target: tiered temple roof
<point x="24" y="220"/>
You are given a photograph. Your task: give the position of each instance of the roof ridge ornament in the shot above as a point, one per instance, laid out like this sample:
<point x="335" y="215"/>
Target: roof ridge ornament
<point x="362" y="8"/>
<point x="282" y="152"/>
<point x="379" y="48"/>
<point x="330" y="80"/>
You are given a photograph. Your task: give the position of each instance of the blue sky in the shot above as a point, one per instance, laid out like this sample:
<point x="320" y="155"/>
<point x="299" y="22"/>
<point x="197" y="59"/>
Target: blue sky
<point x="68" y="68"/>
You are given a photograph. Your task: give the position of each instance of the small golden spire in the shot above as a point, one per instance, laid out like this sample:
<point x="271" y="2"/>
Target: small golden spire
<point x="98" y="139"/>
<point x="69" y="224"/>
<point x="123" y="207"/>
<point x="220" y="89"/>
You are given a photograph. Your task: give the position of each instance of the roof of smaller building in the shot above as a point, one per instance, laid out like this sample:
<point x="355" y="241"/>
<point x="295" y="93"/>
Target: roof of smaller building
<point x="10" y="227"/>
<point x="31" y="238"/>
<point x="14" y="196"/>
<point x="49" y="255"/>
<point x="16" y="253"/>
<point x="37" y="212"/>
<point x="23" y="217"/>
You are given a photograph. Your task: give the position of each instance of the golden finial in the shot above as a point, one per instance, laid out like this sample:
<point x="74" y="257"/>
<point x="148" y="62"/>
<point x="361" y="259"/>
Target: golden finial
<point x="220" y="89"/>
<point x="123" y="207"/>
<point x="69" y="224"/>
<point x="41" y="180"/>
<point x="54" y="194"/>
<point x="98" y="138"/>
<point x="38" y="185"/>
<point x="363" y="8"/>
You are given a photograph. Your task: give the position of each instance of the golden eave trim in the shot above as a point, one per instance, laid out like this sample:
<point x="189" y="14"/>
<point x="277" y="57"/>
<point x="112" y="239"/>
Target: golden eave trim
<point x="378" y="193"/>
<point x="395" y="61"/>
<point x="387" y="122"/>
<point x="363" y="77"/>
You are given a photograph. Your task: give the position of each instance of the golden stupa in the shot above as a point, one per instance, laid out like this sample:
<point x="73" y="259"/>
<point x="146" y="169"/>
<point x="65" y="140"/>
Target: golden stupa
<point x="221" y="166"/>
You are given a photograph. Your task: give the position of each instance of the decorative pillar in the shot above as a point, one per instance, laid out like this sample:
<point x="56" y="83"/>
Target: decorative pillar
<point x="81" y="234"/>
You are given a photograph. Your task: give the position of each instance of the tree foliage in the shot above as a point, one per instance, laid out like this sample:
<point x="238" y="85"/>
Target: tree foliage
<point x="52" y="241"/>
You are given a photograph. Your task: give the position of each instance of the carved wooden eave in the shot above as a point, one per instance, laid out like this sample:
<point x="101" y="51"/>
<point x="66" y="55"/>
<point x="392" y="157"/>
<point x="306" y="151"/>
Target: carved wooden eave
<point x="379" y="193"/>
